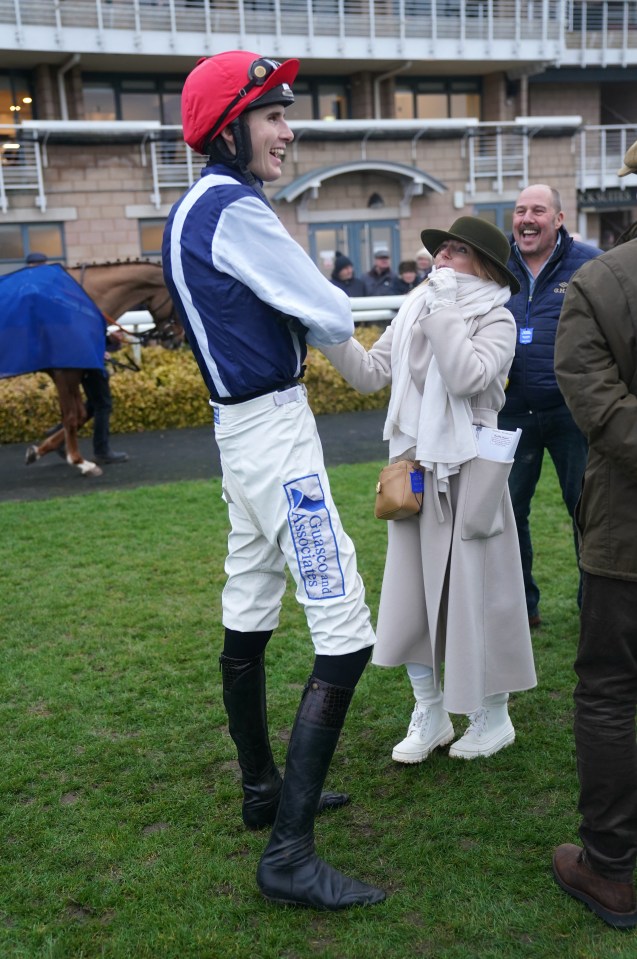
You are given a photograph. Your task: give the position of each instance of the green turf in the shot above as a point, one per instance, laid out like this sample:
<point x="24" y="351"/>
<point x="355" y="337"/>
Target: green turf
<point x="120" y="801"/>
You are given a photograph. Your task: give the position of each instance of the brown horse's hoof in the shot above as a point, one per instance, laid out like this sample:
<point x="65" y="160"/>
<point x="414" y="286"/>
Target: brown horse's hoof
<point x="87" y="468"/>
<point x="94" y="471"/>
<point x="31" y="455"/>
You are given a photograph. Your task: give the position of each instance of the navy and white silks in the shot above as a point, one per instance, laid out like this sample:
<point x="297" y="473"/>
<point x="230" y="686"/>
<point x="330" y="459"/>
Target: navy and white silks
<point x="236" y="274"/>
<point x="250" y="299"/>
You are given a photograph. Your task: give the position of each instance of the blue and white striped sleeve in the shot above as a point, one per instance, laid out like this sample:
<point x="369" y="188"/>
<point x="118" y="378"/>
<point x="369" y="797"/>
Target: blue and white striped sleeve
<point x="251" y="245"/>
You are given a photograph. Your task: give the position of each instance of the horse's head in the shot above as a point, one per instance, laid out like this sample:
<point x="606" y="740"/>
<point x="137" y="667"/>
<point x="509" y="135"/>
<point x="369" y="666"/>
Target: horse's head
<point x="168" y="330"/>
<point x="128" y="285"/>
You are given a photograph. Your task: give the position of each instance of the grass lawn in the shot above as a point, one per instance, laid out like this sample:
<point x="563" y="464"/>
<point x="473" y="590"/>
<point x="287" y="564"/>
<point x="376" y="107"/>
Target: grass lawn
<point x="120" y="798"/>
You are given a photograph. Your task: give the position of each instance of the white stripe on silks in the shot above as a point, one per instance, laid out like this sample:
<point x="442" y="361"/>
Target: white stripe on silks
<point x="197" y="191"/>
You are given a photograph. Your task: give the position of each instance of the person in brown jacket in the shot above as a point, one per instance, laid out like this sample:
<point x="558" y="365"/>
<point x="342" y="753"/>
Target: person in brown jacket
<point x="596" y="367"/>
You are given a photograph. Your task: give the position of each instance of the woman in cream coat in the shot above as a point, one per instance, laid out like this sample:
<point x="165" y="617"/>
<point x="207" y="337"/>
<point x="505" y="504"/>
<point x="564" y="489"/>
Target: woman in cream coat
<point x="452" y="590"/>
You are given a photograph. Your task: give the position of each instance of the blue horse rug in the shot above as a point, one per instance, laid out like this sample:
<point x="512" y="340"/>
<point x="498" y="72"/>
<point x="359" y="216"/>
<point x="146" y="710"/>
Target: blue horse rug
<point x="47" y="321"/>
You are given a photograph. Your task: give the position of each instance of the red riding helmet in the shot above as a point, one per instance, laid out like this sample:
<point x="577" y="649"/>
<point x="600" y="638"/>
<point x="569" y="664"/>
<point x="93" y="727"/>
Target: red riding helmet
<point x="222" y="87"/>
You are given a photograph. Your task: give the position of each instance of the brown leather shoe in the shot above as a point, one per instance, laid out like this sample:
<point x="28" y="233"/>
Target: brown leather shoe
<point x="535" y="621"/>
<point x="614" y="902"/>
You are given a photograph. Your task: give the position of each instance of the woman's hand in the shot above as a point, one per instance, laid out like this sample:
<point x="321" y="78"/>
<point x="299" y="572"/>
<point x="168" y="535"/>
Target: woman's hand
<point x="442" y="289"/>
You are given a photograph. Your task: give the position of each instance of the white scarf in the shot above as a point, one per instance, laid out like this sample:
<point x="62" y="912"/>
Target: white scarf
<point x="438" y="424"/>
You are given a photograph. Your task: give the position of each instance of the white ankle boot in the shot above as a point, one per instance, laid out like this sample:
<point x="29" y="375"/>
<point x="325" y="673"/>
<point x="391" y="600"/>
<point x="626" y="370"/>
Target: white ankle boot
<point x="430" y="725"/>
<point x="489" y="730"/>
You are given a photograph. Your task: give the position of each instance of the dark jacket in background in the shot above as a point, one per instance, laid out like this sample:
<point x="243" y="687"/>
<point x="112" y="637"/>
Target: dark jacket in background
<point x="353" y="287"/>
<point x="596" y="367"/>
<point x="401" y="287"/>
<point x="380" y="284"/>
<point x="532" y="382"/>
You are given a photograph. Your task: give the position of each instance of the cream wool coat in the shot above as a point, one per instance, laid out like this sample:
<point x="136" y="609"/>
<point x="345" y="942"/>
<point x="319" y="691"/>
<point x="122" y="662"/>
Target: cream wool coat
<point x="452" y="591"/>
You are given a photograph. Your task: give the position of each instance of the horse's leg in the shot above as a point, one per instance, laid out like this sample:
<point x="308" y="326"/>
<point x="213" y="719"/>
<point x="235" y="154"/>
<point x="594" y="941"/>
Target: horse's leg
<point x="52" y="442"/>
<point x="73" y="412"/>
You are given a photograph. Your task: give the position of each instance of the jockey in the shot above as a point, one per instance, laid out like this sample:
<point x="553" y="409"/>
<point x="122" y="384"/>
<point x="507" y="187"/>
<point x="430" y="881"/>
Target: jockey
<point x="251" y="300"/>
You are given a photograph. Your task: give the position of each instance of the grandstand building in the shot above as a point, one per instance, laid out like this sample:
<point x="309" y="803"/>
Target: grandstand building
<point x="408" y="114"/>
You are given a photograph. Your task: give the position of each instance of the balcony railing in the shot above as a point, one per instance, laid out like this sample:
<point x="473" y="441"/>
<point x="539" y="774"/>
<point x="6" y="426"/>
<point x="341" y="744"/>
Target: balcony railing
<point x="20" y="168"/>
<point x="564" y="31"/>
<point x="602" y="152"/>
<point x="496" y="157"/>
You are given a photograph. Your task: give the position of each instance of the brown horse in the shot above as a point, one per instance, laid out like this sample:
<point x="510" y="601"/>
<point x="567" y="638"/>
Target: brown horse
<point x="115" y="288"/>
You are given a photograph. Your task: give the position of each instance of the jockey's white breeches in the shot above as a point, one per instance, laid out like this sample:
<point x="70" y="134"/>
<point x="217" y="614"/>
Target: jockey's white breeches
<point x="281" y="512"/>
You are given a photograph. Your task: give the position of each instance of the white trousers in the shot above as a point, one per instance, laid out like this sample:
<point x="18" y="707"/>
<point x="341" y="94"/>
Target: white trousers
<point x="282" y="513"/>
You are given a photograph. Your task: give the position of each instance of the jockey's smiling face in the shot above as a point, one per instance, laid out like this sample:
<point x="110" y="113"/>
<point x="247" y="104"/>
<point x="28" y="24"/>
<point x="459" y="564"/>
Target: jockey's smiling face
<point x="455" y="255"/>
<point x="270" y="136"/>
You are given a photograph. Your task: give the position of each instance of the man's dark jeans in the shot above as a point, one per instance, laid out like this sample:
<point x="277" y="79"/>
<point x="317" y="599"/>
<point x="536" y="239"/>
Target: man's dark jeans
<point x="99" y="405"/>
<point x="605" y="704"/>
<point x="554" y="430"/>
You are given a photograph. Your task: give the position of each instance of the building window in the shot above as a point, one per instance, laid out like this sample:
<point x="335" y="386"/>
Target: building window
<point x="500" y="214"/>
<point x="99" y="102"/>
<point x="357" y="240"/>
<point x="17" y="240"/>
<point x="317" y="100"/>
<point x="150" y="236"/>
<point x="16" y="98"/>
<point x="437" y="99"/>
<point x="126" y="98"/>
<point x="171" y="102"/>
<point x="16" y="105"/>
<point x="139" y="100"/>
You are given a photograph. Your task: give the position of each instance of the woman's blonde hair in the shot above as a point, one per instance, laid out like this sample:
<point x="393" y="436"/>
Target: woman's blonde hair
<point x="486" y="269"/>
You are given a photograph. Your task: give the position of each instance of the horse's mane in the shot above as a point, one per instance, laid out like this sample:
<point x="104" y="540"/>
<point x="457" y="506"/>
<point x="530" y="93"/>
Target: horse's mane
<point x="140" y="261"/>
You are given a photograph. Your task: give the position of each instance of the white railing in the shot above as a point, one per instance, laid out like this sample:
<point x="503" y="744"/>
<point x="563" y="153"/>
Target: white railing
<point x="375" y="309"/>
<point x="173" y="164"/>
<point x="496" y="156"/>
<point x="601" y="155"/>
<point x="573" y="31"/>
<point x="601" y="32"/>
<point x="134" y="322"/>
<point x="20" y="167"/>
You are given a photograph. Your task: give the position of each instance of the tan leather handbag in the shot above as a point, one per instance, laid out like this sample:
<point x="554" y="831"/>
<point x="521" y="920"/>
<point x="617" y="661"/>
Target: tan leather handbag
<point x="399" y="491"/>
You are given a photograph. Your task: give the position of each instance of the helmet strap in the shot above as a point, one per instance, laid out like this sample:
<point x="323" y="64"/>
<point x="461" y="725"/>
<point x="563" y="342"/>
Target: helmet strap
<point x="219" y="152"/>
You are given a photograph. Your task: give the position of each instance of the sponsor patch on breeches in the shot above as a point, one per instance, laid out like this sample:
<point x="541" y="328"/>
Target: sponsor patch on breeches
<point x="313" y="537"/>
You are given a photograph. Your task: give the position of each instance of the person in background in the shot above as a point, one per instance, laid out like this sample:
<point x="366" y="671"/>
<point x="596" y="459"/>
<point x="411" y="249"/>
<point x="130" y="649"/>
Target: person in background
<point x="424" y="263"/>
<point x="407" y="277"/>
<point x="343" y="276"/>
<point x="381" y="280"/>
<point x="596" y="367"/>
<point x="99" y="399"/>
<point x="251" y="300"/>
<point x="36" y="259"/>
<point x="452" y="590"/>
<point x="543" y="259"/>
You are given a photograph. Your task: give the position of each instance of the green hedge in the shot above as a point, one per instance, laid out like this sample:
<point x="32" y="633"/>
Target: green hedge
<point x="168" y="393"/>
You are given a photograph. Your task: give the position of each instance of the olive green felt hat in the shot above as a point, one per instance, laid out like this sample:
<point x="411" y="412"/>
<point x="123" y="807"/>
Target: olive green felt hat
<point x="484" y="237"/>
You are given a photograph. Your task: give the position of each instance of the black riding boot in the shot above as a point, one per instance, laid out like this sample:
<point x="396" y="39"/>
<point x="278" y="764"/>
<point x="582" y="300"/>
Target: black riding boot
<point x="244" y="699"/>
<point x="289" y="870"/>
